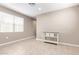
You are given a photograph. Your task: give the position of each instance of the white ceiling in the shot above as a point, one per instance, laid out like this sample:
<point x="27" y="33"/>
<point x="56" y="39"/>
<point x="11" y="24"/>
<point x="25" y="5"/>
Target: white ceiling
<point x="37" y="9"/>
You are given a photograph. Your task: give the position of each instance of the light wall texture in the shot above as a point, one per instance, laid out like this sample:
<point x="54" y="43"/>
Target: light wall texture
<point x="28" y="27"/>
<point x="65" y="21"/>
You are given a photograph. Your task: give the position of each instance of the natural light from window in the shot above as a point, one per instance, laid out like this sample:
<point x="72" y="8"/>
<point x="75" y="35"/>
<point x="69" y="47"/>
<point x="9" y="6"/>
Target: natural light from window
<point x="11" y="23"/>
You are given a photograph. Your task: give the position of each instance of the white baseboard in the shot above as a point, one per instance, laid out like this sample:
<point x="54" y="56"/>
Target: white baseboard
<point x="16" y="41"/>
<point x="69" y="44"/>
<point x="61" y="43"/>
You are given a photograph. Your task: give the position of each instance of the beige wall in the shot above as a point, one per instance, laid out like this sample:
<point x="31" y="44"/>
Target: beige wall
<point x="28" y="28"/>
<point x="34" y="26"/>
<point x="65" y="21"/>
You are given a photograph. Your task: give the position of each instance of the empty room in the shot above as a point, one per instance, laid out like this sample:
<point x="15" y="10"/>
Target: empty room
<point x="39" y="28"/>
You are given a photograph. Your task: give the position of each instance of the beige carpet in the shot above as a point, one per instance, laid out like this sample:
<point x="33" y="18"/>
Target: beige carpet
<point x="34" y="47"/>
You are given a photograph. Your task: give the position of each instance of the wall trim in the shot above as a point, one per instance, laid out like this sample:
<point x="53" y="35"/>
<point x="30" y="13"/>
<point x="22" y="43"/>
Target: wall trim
<point x="61" y="43"/>
<point x="30" y="37"/>
<point x="69" y="44"/>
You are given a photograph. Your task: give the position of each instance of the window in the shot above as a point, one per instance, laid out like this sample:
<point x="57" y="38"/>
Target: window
<point x="11" y="23"/>
<point x="19" y="24"/>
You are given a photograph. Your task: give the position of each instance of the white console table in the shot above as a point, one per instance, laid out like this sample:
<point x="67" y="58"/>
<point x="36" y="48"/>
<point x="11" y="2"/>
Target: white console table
<point x="52" y="37"/>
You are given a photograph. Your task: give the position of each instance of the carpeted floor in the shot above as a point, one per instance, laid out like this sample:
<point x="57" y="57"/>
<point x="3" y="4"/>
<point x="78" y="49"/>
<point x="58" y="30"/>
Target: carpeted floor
<point x="34" y="47"/>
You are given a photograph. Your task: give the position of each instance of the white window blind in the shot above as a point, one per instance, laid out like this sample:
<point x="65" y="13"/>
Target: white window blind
<point x="11" y="23"/>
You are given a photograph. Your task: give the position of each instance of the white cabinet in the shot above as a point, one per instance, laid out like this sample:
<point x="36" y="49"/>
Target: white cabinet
<point x="52" y="37"/>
